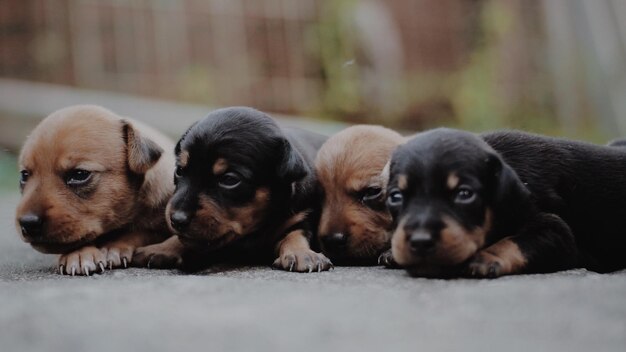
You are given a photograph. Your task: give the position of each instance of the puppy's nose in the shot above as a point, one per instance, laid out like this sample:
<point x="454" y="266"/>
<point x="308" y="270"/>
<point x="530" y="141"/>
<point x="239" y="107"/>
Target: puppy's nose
<point x="421" y="241"/>
<point x="335" y="242"/>
<point x="180" y="220"/>
<point x="31" y="225"/>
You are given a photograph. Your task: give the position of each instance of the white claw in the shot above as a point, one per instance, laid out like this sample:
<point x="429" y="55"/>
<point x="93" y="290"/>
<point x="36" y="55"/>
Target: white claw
<point x="73" y="270"/>
<point x="380" y="257"/>
<point x="124" y="262"/>
<point x="310" y="267"/>
<point x="319" y="267"/>
<point x="61" y="269"/>
<point x="87" y="271"/>
<point x="291" y="266"/>
<point x="110" y="264"/>
<point x="101" y="265"/>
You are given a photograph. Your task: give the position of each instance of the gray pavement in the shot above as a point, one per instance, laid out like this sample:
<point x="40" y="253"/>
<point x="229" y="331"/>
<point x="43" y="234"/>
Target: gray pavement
<point x="259" y="309"/>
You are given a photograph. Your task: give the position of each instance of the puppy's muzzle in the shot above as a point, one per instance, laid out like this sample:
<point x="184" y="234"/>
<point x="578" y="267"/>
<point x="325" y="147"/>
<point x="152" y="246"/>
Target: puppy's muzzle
<point x="180" y="220"/>
<point x="335" y="243"/>
<point x="31" y="225"/>
<point x="421" y="242"/>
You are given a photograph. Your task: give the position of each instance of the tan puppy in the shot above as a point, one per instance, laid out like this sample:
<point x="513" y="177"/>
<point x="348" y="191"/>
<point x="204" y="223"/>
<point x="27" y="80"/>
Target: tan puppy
<point x="94" y="188"/>
<point x="355" y="224"/>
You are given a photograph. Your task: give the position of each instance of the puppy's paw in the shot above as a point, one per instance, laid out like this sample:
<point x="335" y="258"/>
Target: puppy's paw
<point x="386" y="259"/>
<point x="84" y="261"/>
<point x="485" y="265"/>
<point x="157" y="256"/>
<point x="303" y="261"/>
<point x="118" y="255"/>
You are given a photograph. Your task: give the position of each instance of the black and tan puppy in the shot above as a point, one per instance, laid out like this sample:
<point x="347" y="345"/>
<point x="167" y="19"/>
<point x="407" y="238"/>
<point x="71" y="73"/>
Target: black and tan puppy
<point x="245" y="190"/>
<point x="94" y="187"/>
<point x="506" y="203"/>
<point x="355" y="226"/>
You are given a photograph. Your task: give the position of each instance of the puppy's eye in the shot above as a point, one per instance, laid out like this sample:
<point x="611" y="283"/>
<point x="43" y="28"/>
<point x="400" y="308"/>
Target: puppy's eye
<point x="395" y="198"/>
<point x="77" y="177"/>
<point x="371" y="193"/>
<point x="464" y="195"/>
<point x="178" y="172"/>
<point x="24" y="177"/>
<point x="229" y="180"/>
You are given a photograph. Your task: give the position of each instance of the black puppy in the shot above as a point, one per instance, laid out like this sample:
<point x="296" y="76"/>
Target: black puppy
<point x="506" y="203"/>
<point x="245" y="191"/>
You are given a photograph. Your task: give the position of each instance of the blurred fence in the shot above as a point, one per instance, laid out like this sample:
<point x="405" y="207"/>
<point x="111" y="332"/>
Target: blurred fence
<point x="551" y="65"/>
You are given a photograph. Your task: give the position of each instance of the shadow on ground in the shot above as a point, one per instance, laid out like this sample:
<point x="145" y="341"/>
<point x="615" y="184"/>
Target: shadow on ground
<point x="259" y="309"/>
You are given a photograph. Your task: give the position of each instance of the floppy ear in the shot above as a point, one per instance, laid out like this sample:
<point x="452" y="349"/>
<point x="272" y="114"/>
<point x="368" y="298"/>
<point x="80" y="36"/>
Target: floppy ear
<point x="510" y="193"/>
<point x="142" y="153"/>
<point x="292" y="167"/>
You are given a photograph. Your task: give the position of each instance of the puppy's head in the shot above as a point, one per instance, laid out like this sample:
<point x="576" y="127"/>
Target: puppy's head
<point x="445" y="187"/>
<point x="355" y="223"/>
<point x="80" y="171"/>
<point x="230" y="166"/>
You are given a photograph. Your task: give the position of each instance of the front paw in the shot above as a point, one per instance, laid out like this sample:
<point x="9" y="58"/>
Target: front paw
<point x="386" y="259"/>
<point x="157" y="256"/>
<point x="303" y="261"/>
<point x="118" y="255"/>
<point x="84" y="261"/>
<point x="484" y="265"/>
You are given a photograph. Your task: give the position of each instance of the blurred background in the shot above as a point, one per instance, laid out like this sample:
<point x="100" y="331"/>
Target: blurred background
<point x="555" y="67"/>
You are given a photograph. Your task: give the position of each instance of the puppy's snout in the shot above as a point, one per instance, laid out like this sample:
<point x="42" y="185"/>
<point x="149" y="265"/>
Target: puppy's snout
<point x="180" y="220"/>
<point x="31" y="225"/>
<point x="335" y="242"/>
<point x="421" y="241"/>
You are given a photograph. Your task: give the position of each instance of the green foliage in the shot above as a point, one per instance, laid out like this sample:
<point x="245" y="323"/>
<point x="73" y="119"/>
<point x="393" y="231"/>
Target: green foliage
<point x="8" y="172"/>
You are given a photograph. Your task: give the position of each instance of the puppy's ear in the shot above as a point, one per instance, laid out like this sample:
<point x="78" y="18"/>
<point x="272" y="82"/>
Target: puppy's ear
<point x="510" y="193"/>
<point x="142" y="153"/>
<point x="292" y="167"/>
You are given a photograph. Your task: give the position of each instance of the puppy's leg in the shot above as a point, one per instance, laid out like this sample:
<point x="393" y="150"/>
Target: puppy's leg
<point x="167" y="254"/>
<point x="119" y="252"/>
<point x="386" y="259"/>
<point x="84" y="261"/>
<point x="295" y="254"/>
<point x="545" y="244"/>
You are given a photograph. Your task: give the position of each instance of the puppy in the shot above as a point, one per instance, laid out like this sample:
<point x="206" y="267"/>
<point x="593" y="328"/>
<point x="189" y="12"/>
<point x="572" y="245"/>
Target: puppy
<point x="245" y="191"/>
<point x="506" y="203"/>
<point x="94" y="187"/>
<point x="355" y="224"/>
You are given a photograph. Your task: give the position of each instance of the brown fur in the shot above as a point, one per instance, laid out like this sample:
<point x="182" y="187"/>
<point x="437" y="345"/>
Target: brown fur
<point x="225" y="225"/>
<point x="455" y="245"/>
<point x="505" y="253"/>
<point x="295" y="254"/>
<point x="111" y="148"/>
<point x="347" y="163"/>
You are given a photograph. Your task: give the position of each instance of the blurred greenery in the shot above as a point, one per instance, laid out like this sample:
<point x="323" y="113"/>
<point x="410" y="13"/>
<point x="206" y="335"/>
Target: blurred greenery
<point x="8" y="172"/>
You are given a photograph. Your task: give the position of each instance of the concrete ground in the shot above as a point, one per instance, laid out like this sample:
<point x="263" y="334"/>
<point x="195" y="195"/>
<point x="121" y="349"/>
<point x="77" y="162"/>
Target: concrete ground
<point x="259" y="309"/>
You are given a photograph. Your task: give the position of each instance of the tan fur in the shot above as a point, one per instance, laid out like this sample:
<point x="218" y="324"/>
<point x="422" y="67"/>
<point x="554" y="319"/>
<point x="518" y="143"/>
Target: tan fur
<point x="183" y="158"/>
<point x="402" y="182"/>
<point x="453" y="181"/>
<point x="454" y="246"/>
<point x="506" y="253"/>
<point x="92" y="138"/>
<point x="295" y="254"/>
<point x="219" y="226"/>
<point x="220" y="166"/>
<point x="348" y="162"/>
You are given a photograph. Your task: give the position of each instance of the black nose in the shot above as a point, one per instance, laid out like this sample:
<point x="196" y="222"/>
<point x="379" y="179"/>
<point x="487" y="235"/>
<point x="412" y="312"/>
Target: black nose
<point x="31" y="225"/>
<point x="335" y="242"/>
<point x="421" y="241"/>
<point x="180" y="220"/>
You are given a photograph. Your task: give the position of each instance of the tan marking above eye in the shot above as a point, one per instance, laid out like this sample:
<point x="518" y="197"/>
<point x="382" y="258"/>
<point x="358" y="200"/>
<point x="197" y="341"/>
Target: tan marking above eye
<point x="453" y="180"/>
<point x="402" y="182"/>
<point x="220" y="166"/>
<point x="183" y="158"/>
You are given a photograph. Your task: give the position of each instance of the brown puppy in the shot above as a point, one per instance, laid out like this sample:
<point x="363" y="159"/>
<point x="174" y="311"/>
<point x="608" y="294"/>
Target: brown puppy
<point x="355" y="224"/>
<point x="94" y="187"/>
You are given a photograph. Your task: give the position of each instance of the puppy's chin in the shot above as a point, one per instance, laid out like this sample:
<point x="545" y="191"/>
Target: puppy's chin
<point x="56" y="247"/>
<point x="202" y="242"/>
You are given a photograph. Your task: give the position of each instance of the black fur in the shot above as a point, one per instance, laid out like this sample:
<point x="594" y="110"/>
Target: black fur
<point x="264" y="155"/>
<point x="561" y="201"/>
